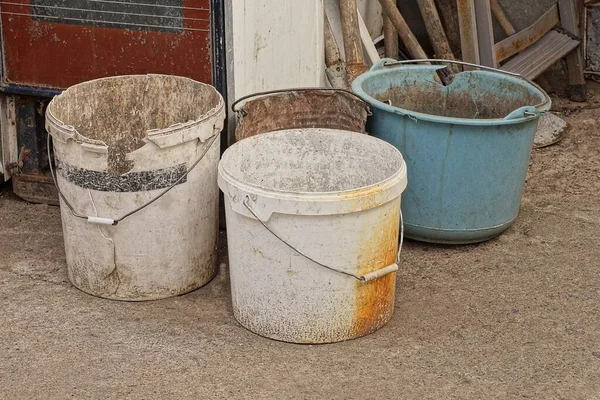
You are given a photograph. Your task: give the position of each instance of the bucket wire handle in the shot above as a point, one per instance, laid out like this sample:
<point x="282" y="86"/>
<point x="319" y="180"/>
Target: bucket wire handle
<point x="391" y="63"/>
<point x="362" y="278"/>
<point x="312" y="89"/>
<point x="109" y="221"/>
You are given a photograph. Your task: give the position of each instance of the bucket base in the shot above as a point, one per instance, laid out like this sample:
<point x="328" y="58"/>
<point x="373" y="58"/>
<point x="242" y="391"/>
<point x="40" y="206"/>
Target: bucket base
<point x="35" y="188"/>
<point x="140" y="297"/>
<point x="453" y="236"/>
<point x="307" y="340"/>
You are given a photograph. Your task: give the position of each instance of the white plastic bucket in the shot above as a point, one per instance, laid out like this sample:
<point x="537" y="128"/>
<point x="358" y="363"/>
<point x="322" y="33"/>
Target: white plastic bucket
<point x="297" y="203"/>
<point x="120" y="143"/>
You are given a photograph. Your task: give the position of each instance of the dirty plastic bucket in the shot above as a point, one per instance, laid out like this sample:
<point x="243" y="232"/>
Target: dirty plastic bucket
<point x="136" y="165"/>
<point x="313" y="227"/>
<point x="466" y="145"/>
<point x="300" y="108"/>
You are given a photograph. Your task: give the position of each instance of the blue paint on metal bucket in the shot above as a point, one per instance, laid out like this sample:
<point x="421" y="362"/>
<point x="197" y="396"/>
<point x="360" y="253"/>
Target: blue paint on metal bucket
<point x="467" y="145"/>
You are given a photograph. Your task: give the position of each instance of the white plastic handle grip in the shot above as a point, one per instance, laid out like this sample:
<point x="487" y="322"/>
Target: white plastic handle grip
<point x="371" y="276"/>
<point x="101" y="221"/>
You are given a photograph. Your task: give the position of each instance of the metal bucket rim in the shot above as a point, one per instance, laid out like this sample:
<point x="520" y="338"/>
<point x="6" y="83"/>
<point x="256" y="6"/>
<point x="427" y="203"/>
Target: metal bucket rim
<point x="274" y="93"/>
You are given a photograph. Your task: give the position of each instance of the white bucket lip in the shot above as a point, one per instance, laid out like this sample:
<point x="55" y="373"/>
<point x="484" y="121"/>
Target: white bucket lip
<point x="153" y="135"/>
<point x="341" y="201"/>
<point x="398" y="178"/>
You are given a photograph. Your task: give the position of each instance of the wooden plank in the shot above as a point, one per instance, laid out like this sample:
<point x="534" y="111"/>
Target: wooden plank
<point x="528" y="36"/>
<point x="485" y="33"/>
<point x="537" y="58"/>
<point x="367" y="41"/>
<point x="502" y="18"/>
<point x="390" y="39"/>
<point x="592" y="44"/>
<point x="409" y="39"/>
<point x="467" y="23"/>
<point x="449" y="14"/>
<point x="372" y="15"/>
<point x="332" y="50"/>
<point x="231" y="117"/>
<point x="332" y="11"/>
<point x="8" y="134"/>
<point x="355" y="62"/>
<point x="336" y="68"/>
<point x="436" y="30"/>
<point x="569" y="21"/>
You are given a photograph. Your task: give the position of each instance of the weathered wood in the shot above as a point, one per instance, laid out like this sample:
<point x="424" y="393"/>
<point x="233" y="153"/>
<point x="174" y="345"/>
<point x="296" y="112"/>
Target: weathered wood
<point x="409" y="39"/>
<point x="449" y="15"/>
<point x="332" y="51"/>
<point x="469" y="43"/>
<point x="9" y="149"/>
<point x="355" y="63"/>
<point x="336" y="67"/>
<point x="528" y="36"/>
<point x="367" y="41"/>
<point x="434" y="27"/>
<point x="502" y="18"/>
<point x="541" y="55"/>
<point x="485" y="33"/>
<point x="390" y="39"/>
<point x="569" y="21"/>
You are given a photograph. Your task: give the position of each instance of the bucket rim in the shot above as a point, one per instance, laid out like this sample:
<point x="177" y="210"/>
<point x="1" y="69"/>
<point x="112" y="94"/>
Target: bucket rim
<point x="250" y="98"/>
<point x="350" y="199"/>
<point x="62" y="131"/>
<point x="357" y="88"/>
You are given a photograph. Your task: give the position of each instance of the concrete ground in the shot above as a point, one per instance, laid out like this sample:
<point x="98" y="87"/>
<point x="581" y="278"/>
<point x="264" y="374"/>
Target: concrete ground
<point x="516" y="317"/>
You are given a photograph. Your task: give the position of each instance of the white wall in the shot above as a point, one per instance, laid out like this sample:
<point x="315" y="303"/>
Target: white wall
<point x="277" y="44"/>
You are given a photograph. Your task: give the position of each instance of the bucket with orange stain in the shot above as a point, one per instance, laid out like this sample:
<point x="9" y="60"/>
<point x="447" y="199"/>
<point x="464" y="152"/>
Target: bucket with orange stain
<point x="313" y="225"/>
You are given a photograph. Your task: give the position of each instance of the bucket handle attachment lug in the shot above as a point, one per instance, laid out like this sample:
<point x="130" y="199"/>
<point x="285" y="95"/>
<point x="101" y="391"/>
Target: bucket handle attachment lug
<point x="110" y="221"/>
<point x="524" y="112"/>
<point x="250" y="96"/>
<point x="370" y="276"/>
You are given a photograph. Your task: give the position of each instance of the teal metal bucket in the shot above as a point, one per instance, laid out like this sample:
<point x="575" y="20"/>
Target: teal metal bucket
<point x="466" y="145"/>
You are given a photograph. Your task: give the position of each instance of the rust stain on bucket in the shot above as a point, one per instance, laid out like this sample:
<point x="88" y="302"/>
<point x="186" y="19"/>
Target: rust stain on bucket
<point x="374" y="301"/>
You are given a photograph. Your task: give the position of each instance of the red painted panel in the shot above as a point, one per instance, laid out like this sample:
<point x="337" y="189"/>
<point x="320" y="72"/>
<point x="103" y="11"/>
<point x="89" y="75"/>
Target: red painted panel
<point x="58" y="55"/>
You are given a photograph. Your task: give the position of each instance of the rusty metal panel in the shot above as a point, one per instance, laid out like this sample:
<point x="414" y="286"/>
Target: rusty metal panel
<point x="59" y="43"/>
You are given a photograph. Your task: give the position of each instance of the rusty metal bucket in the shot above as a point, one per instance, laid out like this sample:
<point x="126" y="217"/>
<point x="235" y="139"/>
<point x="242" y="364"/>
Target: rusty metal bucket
<point x="300" y="108"/>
